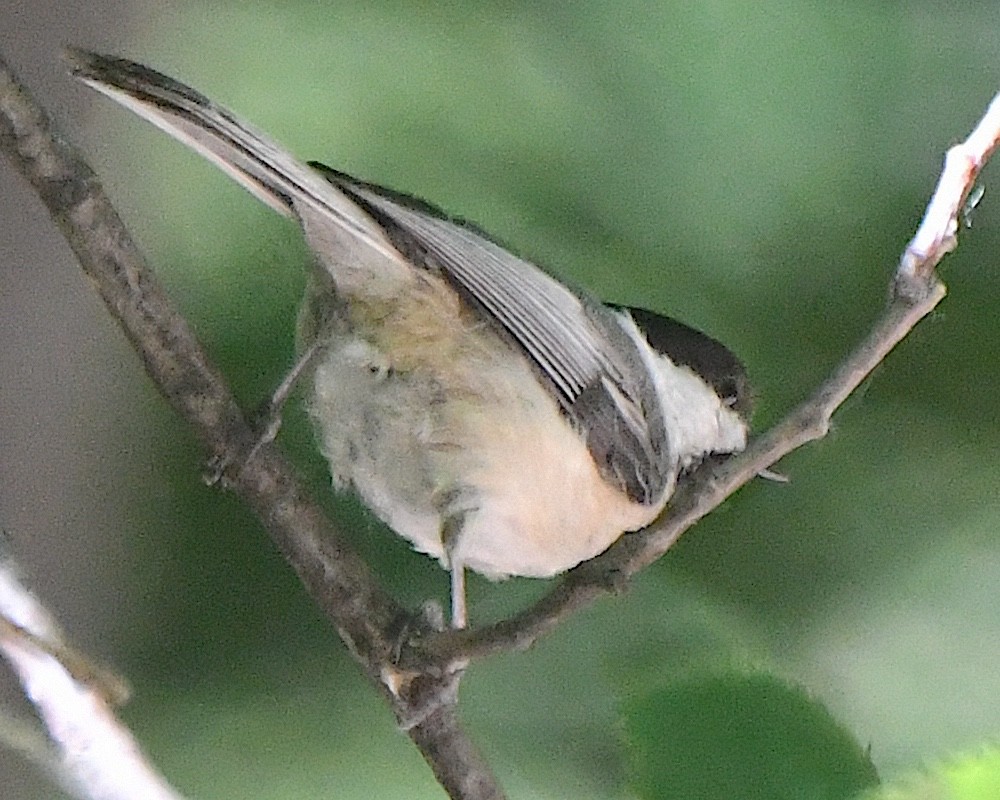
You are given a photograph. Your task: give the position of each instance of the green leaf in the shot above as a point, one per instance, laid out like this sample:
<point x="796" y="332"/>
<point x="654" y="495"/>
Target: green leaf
<point x="741" y="736"/>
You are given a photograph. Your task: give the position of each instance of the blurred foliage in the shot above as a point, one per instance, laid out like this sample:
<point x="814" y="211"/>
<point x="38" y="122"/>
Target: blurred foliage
<point x="747" y="736"/>
<point x="973" y="777"/>
<point x="753" y="170"/>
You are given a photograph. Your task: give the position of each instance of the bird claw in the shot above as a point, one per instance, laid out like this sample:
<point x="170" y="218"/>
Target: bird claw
<point x="265" y="424"/>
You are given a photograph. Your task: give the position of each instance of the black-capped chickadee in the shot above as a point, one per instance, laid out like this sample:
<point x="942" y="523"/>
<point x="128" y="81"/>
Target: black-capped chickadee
<point x="487" y="413"/>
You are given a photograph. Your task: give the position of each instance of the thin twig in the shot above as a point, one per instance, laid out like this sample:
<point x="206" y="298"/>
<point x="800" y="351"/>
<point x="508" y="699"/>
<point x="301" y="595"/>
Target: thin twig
<point x="915" y="291"/>
<point x="95" y="755"/>
<point x="936" y="236"/>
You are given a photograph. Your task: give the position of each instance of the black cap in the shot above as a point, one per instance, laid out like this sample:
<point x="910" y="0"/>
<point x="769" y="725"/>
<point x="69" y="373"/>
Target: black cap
<point x="708" y="357"/>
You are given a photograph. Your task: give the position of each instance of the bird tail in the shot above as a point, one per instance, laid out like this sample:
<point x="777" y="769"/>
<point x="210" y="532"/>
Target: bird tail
<point x="250" y="157"/>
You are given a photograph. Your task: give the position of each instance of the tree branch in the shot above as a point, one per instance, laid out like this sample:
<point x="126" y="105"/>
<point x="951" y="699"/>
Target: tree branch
<point x="95" y="755"/>
<point x="914" y="292"/>
<point x="337" y="579"/>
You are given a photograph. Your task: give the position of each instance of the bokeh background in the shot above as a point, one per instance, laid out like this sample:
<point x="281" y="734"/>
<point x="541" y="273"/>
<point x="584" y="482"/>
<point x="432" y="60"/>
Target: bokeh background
<point x="754" y="170"/>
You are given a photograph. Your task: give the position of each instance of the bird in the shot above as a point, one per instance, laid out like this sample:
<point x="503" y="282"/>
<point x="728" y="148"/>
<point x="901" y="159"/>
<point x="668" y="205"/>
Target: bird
<point x="493" y="416"/>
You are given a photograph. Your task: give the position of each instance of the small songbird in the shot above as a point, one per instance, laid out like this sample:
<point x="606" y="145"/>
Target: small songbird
<point x="495" y="418"/>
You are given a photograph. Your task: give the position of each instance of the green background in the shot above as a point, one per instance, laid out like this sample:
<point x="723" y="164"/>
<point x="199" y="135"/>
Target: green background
<point x="752" y="170"/>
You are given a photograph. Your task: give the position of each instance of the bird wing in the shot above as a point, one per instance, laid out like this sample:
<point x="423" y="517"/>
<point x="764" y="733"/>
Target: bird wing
<point x="582" y="354"/>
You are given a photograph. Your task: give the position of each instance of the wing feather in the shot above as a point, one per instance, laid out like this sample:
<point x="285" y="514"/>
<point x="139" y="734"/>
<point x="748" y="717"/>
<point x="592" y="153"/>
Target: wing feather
<point x="582" y="354"/>
<point x="590" y="364"/>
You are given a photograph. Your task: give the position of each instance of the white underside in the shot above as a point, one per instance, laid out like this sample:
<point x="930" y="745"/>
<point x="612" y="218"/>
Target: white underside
<point x="501" y="461"/>
<point x="522" y="483"/>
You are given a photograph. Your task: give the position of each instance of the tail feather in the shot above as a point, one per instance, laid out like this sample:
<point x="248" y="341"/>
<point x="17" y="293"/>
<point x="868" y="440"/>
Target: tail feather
<point x="253" y="159"/>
